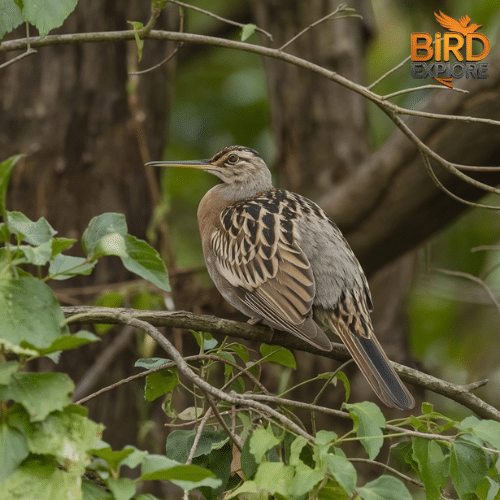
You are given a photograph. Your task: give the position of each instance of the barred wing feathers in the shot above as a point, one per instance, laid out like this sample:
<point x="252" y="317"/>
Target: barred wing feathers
<point x="256" y="252"/>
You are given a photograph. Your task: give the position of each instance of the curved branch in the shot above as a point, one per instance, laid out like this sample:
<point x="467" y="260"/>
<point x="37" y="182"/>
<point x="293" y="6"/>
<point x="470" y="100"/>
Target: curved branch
<point x="183" y="319"/>
<point x="388" y="205"/>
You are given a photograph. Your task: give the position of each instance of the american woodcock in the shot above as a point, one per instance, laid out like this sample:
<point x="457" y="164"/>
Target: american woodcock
<point x="278" y="258"/>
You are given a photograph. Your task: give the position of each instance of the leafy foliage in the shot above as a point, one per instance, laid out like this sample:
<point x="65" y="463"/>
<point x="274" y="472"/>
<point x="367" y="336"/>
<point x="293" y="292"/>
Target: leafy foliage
<point x="45" y="15"/>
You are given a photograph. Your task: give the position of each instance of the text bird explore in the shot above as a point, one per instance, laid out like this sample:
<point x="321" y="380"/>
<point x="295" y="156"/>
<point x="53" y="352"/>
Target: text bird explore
<point x="278" y="258"/>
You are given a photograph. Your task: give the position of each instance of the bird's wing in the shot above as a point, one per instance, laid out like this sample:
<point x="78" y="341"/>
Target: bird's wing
<point x="448" y="22"/>
<point x="256" y="252"/>
<point x="464" y="21"/>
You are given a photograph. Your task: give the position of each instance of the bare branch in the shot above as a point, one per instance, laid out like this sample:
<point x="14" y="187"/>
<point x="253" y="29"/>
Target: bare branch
<point x="183" y="319"/>
<point x="477" y="280"/>
<point x="341" y="8"/>
<point x="219" y="18"/>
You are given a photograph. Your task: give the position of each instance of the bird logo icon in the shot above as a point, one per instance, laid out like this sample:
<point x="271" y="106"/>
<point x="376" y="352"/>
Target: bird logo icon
<point x="459" y="26"/>
<point x="460" y="42"/>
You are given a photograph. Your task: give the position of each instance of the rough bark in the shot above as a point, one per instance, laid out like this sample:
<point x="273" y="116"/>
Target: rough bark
<point x="67" y="109"/>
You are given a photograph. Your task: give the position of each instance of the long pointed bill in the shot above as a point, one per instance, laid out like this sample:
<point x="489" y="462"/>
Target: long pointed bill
<point x="204" y="164"/>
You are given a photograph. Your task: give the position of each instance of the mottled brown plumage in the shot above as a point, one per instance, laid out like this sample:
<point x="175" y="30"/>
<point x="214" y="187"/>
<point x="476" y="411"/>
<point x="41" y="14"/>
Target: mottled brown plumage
<point x="278" y="258"/>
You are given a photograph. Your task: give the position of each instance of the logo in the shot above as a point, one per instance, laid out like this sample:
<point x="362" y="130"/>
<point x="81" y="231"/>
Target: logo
<point x="458" y="42"/>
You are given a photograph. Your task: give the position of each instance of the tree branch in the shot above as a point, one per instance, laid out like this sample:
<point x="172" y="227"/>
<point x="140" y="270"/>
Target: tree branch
<point x="389" y="204"/>
<point x="219" y="326"/>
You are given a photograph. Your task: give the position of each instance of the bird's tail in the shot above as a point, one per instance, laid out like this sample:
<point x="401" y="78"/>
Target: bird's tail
<point x="351" y="322"/>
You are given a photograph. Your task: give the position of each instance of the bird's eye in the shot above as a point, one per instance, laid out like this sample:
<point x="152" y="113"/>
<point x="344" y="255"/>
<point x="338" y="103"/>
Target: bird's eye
<point x="232" y="159"/>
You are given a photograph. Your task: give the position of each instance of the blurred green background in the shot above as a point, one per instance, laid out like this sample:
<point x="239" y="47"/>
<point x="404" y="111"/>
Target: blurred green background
<point x="455" y="325"/>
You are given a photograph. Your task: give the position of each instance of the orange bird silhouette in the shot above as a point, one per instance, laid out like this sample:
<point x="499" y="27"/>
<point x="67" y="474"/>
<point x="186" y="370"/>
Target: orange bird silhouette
<point x="459" y="26"/>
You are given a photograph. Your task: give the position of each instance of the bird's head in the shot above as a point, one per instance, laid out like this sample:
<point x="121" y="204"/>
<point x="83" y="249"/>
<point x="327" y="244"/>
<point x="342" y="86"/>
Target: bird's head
<point x="240" y="167"/>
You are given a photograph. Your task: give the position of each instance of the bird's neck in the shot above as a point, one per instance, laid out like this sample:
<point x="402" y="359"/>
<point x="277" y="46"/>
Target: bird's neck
<point x="216" y="200"/>
<point x="236" y="191"/>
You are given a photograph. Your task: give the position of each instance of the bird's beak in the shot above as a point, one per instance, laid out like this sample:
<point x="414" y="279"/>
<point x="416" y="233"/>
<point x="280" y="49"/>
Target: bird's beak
<point x="204" y="164"/>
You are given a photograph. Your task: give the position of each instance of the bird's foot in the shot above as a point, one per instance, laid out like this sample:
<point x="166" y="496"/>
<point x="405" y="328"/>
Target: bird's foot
<point x="254" y="321"/>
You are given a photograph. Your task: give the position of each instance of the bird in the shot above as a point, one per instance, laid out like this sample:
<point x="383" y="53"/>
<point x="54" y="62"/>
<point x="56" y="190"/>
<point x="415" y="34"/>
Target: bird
<point x="278" y="258"/>
<point x="459" y="26"/>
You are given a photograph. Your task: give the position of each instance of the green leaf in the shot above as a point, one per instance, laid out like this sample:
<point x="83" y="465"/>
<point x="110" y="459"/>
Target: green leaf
<point x="137" y="26"/>
<point x="111" y="457"/>
<point x="46" y="15"/>
<point x="247" y="31"/>
<point x="7" y="369"/>
<point x="368" y="423"/>
<point x="92" y="491"/>
<point x="332" y="490"/>
<point x="63" y="267"/>
<point x="261" y="441"/>
<point x="29" y="313"/>
<point x="39" y="393"/>
<point x="190" y="413"/>
<point x="68" y="342"/>
<point x="295" y="449"/>
<point x="101" y="226"/>
<point x="179" y="443"/>
<point x="188" y="477"/>
<point x="149" y="363"/>
<point x="61" y="244"/>
<point x="122" y="488"/>
<point x="146" y="262"/>
<point x="384" y="488"/>
<point x="240" y="350"/>
<point x="247" y="460"/>
<point x="487" y="430"/>
<point x="34" y="233"/>
<point x="274" y="477"/>
<point x="67" y="435"/>
<point x="204" y="340"/>
<point x="278" y="355"/>
<point x="110" y="244"/>
<point x="468" y="466"/>
<point x="161" y="382"/>
<point x="9" y="19"/>
<point x="347" y="386"/>
<point x="14" y="450"/>
<point x="39" y="255"/>
<point x="188" y="473"/>
<point x="41" y="479"/>
<point x="432" y="466"/>
<point x="219" y="462"/>
<point x="343" y="471"/>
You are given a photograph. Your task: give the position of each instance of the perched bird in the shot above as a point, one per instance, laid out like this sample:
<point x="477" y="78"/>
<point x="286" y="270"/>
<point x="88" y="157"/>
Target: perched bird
<point x="278" y="258"/>
<point x="459" y="26"/>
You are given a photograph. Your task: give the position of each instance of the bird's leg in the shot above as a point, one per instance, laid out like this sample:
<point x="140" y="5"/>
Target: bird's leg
<point x="254" y="321"/>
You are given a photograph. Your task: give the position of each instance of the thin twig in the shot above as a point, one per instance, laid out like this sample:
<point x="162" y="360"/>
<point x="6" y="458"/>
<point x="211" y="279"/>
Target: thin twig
<point x="422" y="87"/>
<point x="127" y="318"/>
<point x="441" y="186"/>
<point x="485" y="247"/>
<point x="416" y="482"/>
<point x="172" y="54"/>
<point x="391" y="109"/>
<point x="477" y="280"/>
<point x="340" y="8"/>
<point x="197" y="436"/>
<point x="103" y="361"/>
<point x="219" y="18"/>
<point x="150" y="24"/>
<point x="385" y="75"/>
<point x="238" y="442"/>
<point x="29" y="50"/>
<point x="183" y="319"/>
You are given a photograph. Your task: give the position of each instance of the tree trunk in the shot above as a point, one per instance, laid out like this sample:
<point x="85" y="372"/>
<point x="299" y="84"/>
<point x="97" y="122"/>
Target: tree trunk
<point x="68" y="109"/>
